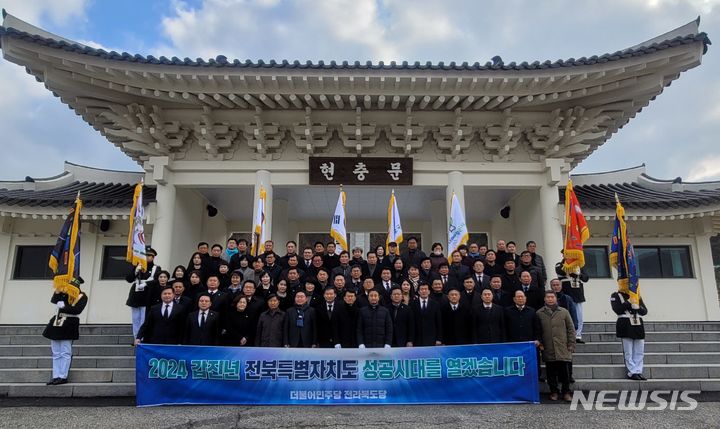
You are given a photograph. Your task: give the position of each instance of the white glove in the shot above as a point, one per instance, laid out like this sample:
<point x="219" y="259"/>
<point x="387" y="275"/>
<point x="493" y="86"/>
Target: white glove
<point x="60" y="305"/>
<point x="338" y="346"/>
<point x="138" y="268"/>
<point x="387" y="346"/>
<point x="140" y="286"/>
<point x="635" y="306"/>
<point x="361" y="346"/>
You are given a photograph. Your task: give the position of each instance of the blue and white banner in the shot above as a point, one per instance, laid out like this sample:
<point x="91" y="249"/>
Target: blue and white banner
<point x="489" y="373"/>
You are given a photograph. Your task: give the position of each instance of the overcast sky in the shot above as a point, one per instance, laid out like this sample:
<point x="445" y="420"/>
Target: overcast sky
<point x="676" y="135"/>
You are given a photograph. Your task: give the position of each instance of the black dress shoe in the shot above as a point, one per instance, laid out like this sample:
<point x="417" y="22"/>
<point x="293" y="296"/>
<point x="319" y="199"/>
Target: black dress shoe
<point x="642" y="377"/>
<point x="52" y="382"/>
<point x="579" y="341"/>
<point x="572" y="380"/>
<point x="61" y="381"/>
<point x="636" y="377"/>
<point x="630" y="376"/>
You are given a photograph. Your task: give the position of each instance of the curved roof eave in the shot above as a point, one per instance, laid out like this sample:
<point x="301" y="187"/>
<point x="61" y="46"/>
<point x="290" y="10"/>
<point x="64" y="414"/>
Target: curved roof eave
<point x="16" y="28"/>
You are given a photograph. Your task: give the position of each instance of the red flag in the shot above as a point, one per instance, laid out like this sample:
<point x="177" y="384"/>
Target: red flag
<point x="576" y="232"/>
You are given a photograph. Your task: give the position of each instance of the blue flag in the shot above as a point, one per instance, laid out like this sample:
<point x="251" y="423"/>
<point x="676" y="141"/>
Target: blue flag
<point x="622" y="257"/>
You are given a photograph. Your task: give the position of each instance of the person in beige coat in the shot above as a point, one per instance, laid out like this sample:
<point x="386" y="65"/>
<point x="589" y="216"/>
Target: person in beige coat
<point x="557" y="345"/>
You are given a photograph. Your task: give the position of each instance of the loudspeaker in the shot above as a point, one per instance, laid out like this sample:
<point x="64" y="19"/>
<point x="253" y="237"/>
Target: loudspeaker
<point x="505" y="212"/>
<point x="105" y="225"/>
<point x="211" y="210"/>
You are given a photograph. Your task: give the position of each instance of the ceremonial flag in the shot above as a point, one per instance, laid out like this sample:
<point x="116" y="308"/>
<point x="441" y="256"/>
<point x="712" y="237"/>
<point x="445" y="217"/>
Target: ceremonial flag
<point x="337" y="228"/>
<point x="457" y="229"/>
<point x="65" y="257"/>
<point x="622" y="257"/>
<point x="395" y="233"/>
<point x="136" y="237"/>
<point x="576" y="232"/>
<point x="259" y="236"/>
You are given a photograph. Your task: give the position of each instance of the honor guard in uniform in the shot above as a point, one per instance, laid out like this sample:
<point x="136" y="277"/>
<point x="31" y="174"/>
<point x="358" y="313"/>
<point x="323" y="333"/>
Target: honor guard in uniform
<point x="629" y="327"/>
<point x="139" y="294"/>
<point x="573" y="285"/>
<point x="63" y="328"/>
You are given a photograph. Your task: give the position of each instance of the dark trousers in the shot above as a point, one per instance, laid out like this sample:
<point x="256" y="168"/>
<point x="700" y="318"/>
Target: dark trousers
<point x="558" y="371"/>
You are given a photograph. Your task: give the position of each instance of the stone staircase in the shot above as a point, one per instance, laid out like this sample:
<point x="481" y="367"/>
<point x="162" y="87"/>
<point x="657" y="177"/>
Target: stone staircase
<point x="678" y="355"/>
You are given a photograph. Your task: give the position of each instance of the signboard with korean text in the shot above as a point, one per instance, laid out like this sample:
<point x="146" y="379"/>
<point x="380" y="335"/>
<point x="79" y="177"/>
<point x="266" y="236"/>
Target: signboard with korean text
<point x="487" y="373"/>
<point x="361" y="171"/>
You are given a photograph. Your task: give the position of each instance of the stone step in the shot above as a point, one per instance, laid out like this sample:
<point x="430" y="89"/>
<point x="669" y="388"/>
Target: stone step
<point x="40" y="390"/>
<point x="658" y="336"/>
<point x="78" y="350"/>
<point x="84" y="329"/>
<point x="589" y="327"/>
<point x="654" y="371"/>
<point x="82" y="375"/>
<point x="650" y="358"/>
<point x="659" y="346"/>
<point x="77" y="362"/>
<point x="83" y="340"/>
<point x="704" y="385"/>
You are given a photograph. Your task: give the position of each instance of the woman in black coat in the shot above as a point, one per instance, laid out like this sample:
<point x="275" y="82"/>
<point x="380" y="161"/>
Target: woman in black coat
<point x="197" y="263"/>
<point x="194" y="286"/>
<point x="286" y="298"/>
<point x="237" y="324"/>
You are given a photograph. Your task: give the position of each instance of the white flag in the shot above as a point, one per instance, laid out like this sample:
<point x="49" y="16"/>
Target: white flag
<point x="395" y="232"/>
<point x="136" y="237"/>
<point x="259" y="237"/>
<point x="457" y="230"/>
<point x="337" y="229"/>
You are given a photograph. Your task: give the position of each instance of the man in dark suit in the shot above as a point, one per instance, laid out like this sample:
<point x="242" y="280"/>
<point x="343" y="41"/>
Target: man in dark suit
<point x="457" y="268"/>
<point x="347" y="321"/>
<point x="202" y="327"/>
<point x="300" y="323"/>
<point x="456" y="320"/>
<point x="428" y="321"/>
<point x="482" y="280"/>
<point x="449" y="281"/>
<point x="327" y="315"/>
<point x="178" y="287"/>
<point x="500" y="297"/>
<point x="521" y="322"/>
<point x="488" y="320"/>
<point x="470" y="294"/>
<point x="534" y="295"/>
<point x="163" y="321"/>
<point x="403" y="320"/>
<point x="374" y="326"/>
<point x="219" y="301"/>
<point x="385" y="285"/>
<point x="412" y="255"/>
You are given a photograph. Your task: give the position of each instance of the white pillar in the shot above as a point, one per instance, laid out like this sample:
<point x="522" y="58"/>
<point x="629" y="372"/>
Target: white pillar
<point x="262" y="177"/>
<point x="552" y="238"/>
<point x="6" y="258"/>
<point x="439" y="222"/>
<point x="456" y="185"/>
<point x="706" y="271"/>
<point x="280" y="232"/>
<point x="164" y="225"/>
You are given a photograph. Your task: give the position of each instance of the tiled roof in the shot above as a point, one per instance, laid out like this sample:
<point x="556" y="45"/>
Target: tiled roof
<point x="96" y="195"/>
<point x="635" y="195"/>
<point x="222" y="61"/>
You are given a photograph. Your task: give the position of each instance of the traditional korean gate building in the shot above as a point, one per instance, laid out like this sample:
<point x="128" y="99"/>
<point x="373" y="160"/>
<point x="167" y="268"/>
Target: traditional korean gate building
<point x="211" y="132"/>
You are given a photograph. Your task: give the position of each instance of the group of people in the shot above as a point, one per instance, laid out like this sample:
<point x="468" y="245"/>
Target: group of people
<point x="316" y="297"/>
<point x="380" y="298"/>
